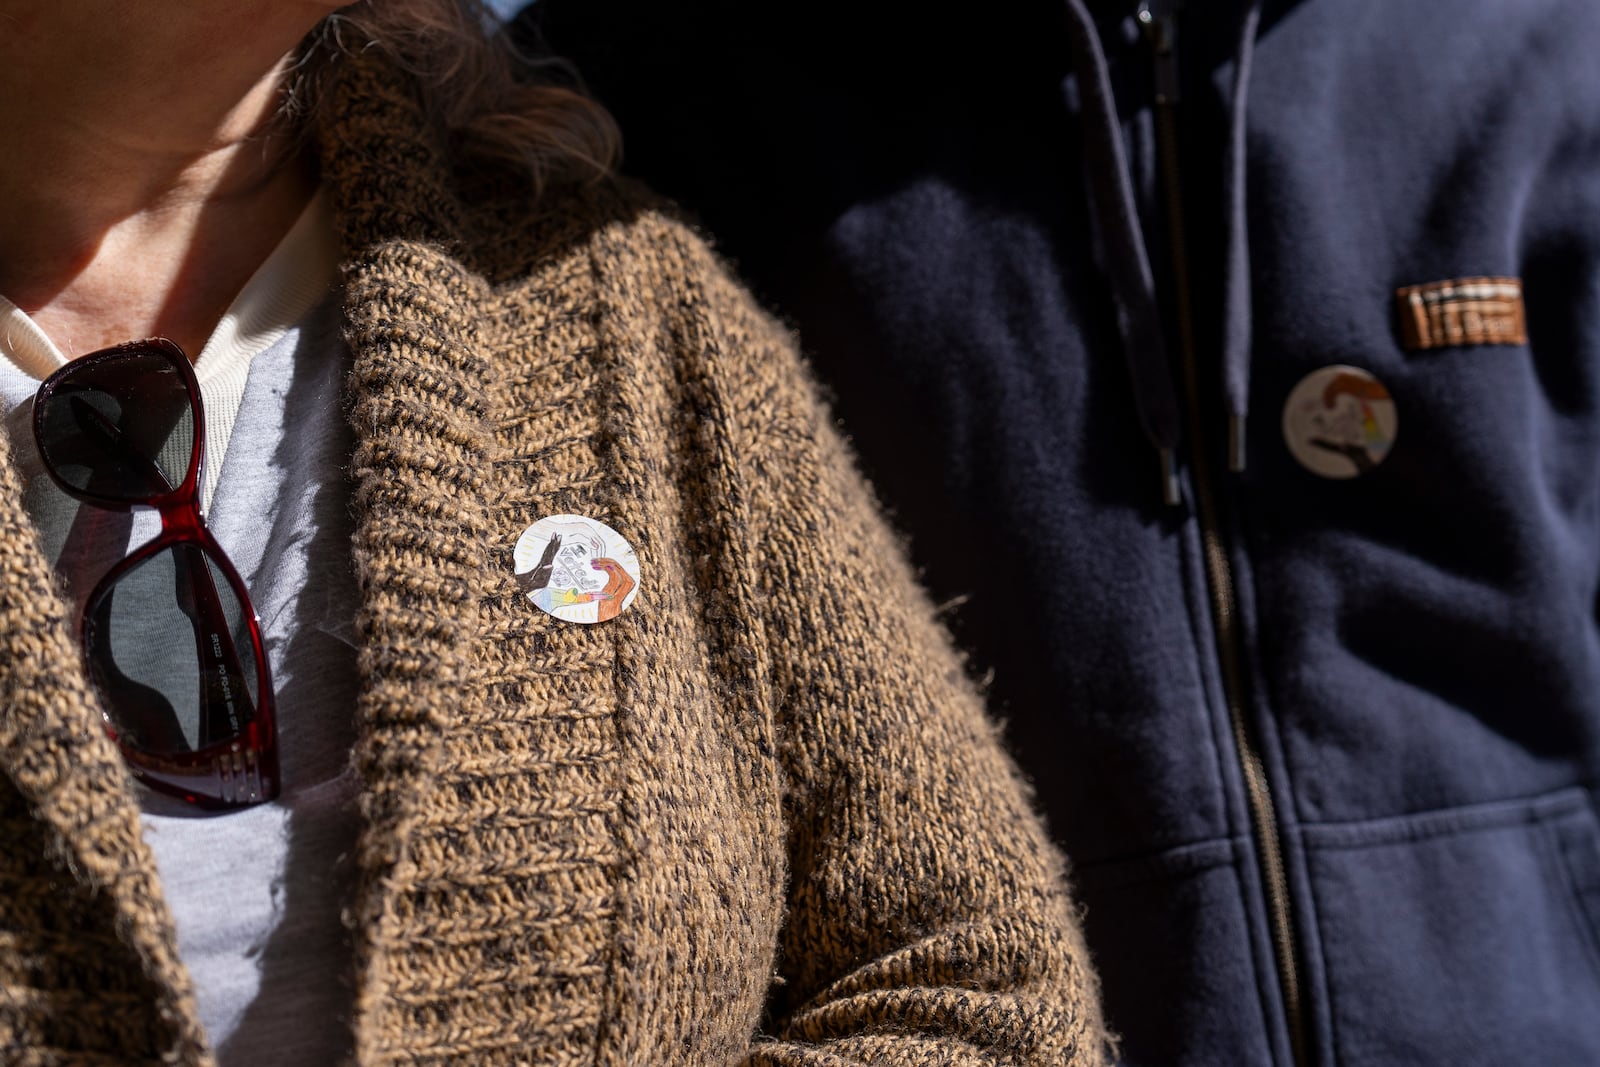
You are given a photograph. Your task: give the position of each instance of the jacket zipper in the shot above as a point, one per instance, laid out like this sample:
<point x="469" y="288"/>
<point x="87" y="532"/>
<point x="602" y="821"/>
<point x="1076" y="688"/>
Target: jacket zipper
<point x="1160" y="31"/>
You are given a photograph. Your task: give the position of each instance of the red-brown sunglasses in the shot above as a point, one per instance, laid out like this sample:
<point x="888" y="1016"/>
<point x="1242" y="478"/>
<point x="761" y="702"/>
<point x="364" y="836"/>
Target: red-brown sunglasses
<point x="169" y="635"/>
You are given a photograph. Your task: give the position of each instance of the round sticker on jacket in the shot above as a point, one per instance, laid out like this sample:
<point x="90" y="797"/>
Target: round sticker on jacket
<point x="1340" y="422"/>
<point x="577" y="569"/>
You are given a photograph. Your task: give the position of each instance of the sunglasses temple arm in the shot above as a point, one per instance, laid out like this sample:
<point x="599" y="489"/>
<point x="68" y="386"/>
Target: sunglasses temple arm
<point x="225" y="705"/>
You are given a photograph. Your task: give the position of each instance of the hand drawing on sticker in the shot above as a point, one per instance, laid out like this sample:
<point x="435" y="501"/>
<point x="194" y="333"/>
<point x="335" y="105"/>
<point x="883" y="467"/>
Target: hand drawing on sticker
<point x="539" y="577"/>
<point x="576" y="568"/>
<point x="619" y="583"/>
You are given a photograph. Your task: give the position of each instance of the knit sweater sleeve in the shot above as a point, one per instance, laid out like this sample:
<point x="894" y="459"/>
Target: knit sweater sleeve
<point x="928" y="917"/>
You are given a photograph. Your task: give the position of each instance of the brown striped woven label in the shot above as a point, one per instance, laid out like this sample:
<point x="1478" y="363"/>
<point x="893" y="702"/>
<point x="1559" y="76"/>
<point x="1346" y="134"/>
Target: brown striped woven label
<point x="1463" y="311"/>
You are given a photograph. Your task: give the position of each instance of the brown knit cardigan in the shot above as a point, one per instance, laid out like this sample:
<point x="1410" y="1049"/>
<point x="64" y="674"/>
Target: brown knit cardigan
<point x="758" y="819"/>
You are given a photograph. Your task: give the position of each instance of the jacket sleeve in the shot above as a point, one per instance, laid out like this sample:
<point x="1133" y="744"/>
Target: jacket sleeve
<point x="928" y="916"/>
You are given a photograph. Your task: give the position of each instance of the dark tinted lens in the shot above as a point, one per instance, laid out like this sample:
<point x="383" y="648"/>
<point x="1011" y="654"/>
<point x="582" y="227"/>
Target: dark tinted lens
<point x="119" y="425"/>
<point x="168" y="646"/>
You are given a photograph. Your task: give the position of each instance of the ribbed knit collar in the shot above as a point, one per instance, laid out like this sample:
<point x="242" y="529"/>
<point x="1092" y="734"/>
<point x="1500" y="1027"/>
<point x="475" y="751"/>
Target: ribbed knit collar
<point x="419" y="383"/>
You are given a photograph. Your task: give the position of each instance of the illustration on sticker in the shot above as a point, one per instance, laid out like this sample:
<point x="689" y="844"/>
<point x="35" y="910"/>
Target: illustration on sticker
<point x="577" y="569"/>
<point x="1340" y="422"/>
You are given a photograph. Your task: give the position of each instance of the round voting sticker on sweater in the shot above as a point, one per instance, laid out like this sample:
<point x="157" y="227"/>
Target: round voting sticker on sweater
<point x="577" y="569"/>
<point x="1339" y="422"/>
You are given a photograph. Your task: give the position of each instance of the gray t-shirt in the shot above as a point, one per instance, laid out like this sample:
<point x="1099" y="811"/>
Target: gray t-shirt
<point x="257" y="893"/>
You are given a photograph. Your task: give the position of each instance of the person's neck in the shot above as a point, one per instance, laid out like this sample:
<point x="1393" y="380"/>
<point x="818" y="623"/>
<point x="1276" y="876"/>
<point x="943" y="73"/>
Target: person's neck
<point x="142" y="179"/>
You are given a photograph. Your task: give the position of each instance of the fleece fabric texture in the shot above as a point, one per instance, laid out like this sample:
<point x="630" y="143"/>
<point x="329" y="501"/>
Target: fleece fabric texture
<point x="1419" y="660"/>
<point x="758" y="819"/>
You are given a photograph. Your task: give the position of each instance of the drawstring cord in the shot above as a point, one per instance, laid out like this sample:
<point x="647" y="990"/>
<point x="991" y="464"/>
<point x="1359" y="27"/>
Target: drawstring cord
<point x="1133" y="286"/>
<point x="1127" y="258"/>
<point x="1236" y="326"/>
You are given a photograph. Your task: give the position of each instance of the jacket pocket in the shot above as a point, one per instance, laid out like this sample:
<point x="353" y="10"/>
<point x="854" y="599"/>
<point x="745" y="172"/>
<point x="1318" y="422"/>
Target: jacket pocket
<point x="1181" y="969"/>
<point x="1577" y="839"/>
<point x="1465" y="937"/>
